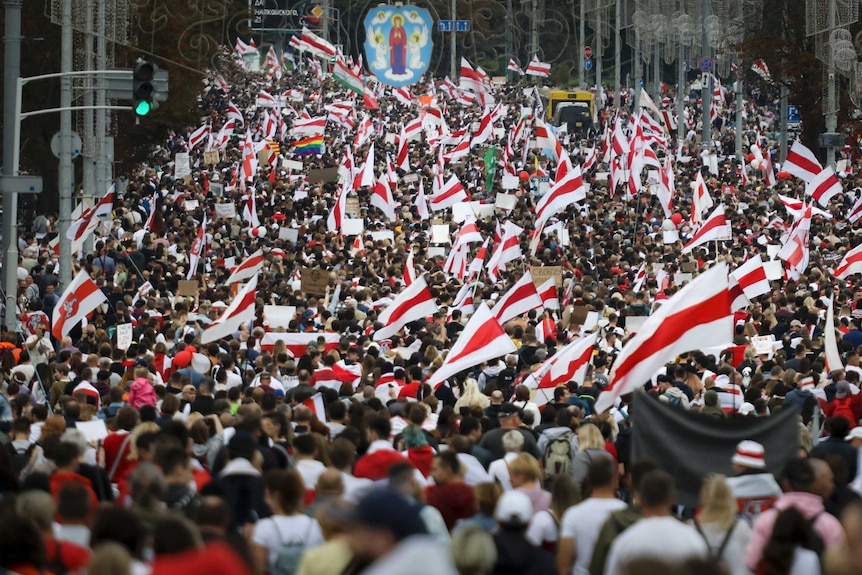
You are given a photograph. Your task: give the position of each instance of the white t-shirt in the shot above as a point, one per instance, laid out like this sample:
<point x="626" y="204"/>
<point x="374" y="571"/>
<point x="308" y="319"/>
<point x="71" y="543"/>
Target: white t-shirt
<point x="310" y="470"/>
<point x="499" y="470"/>
<point x="582" y="523"/>
<point x="278" y="530"/>
<point x="542" y="529"/>
<point x="662" y="538"/>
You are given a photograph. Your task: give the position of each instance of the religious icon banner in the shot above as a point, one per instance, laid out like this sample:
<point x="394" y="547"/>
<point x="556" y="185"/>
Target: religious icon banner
<point x="398" y="43"/>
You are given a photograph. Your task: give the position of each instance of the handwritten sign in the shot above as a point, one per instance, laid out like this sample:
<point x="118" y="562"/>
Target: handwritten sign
<point x="124" y="336"/>
<point x="211" y="157"/>
<point x="543" y="273"/>
<point x="314" y="281"/>
<point x="225" y="210"/>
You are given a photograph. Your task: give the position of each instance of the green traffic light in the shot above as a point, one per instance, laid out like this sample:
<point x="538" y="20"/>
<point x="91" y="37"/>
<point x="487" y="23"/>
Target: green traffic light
<point x="143" y="108"/>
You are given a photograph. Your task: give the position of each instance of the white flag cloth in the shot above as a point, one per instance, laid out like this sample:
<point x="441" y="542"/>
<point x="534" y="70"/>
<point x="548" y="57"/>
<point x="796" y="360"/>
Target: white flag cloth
<point x="241" y="310"/>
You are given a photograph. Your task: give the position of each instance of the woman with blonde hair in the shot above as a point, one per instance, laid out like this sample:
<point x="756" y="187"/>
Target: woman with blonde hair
<point x="525" y="473"/>
<point x="726" y="537"/>
<point x="472" y="396"/>
<point x="591" y="444"/>
<point x="473" y="551"/>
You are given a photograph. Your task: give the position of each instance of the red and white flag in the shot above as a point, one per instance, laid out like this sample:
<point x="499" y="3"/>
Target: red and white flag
<point x="309" y="126"/>
<point x="78" y="300"/>
<point x="241" y="310"/>
<point x="249" y="162"/>
<point x="567" y="190"/>
<point x="422" y="202"/>
<point x="801" y="162"/>
<point x="747" y="282"/>
<point x="450" y="194"/>
<point x="568" y="364"/>
<point x="365" y="177"/>
<point x="317" y="407"/>
<point x="481" y="340"/>
<point x="247" y="269"/>
<point x="224" y="134"/>
<point x="311" y="42"/>
<point x="824" y="186"/>
<point x="485" y="131"/>
<point x="830" y="343"/>
<point x="339" y="210"/>
<point x="464" y="299"/>
<point x="850" y="264"/>
<point x="700" y="199"/>
<point x="548" y="294"/>
<point x="715" y="228"/>
<point x="297" y="343"/>
<point x="470" y="78"/>
<point x="197" y="249"/>
<point x="88" y="220"/>
<point x="795" y="250"/>
<point x="697" y="316"/>
<point x="506" y="250"/>
<point x="414" y="303"/>
<point x="409" y="274"/>
<point x="521" y="298"/>
<point x="537" y="68"/>
<point x="382" y="199"/>
<point x="547" y="140"/>
<point x="855" y="212"/>
<point x="197" y="137"/>
<point x="513" y="67"/>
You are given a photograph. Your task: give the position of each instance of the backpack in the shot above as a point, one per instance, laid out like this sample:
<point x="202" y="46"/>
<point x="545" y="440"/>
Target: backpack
<point x="289" y="553"/>
<point x="20" y="460"/>
<point x="842" y="408"/>
<point x="715" y="553"/>
<point x="558" y="455"/>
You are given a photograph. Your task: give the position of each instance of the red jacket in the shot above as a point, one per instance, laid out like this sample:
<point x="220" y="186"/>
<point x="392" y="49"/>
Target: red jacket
<point x="60" y="478"/>
<point x="454" y="501"/>
<point x="421" y="458"/>
<point x="375" y="466"/>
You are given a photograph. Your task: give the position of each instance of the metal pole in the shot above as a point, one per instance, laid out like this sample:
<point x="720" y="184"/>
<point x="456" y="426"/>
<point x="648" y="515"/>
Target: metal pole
<point x="782" y="142"/>
<point x="534" y="30"/>
<point x="65" y="172"/>
<point x="637" y="71"/>
<point x="706" y="86"/>
<point x="618" y="38"/>
<point x="453" y="43"/>
<point x="327" y="14"/>
<point x="831" y="112"/>
<point x="680" y="99"/>
<point x="583" y="38"/>
<point x="90" y="148"/>
<point x="739" y="127"/>
<point x="12" y="69"/>
<point x="102" y="165"/>
<point x="599" y="87"/>
<point x="510" y="38"/>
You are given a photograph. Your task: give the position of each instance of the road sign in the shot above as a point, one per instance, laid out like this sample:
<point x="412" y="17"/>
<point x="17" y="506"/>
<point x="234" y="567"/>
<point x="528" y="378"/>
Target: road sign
<point x="21" y="184"/>
<point x="687" y="66"/>
<point x="453" y="25"/>
<point x="793" y="115"/>
<point x="588" y="64"/>
<point x="271" y="14"/>
<point x="706" y="64"/>
<point x="588" y="52"/>
<point x="76" y="145"/>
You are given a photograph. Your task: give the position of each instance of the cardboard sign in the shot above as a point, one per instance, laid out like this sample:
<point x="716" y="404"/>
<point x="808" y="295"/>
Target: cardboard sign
<point x="510" y="182"/>
<point x="389" y="138"/>
<point x="578" y="315"/>
<point x="774" y="270"/>
<point x="772" y="251"/>
<point x="440" y="234"/>
<point x="435" y="251"/>
<point x="124" y="336"/>
<point x="314" y="281"/>
<point x="276" y="316"/>
<point x="352" y="226"/>
<point x="506" y="201"/>
<point x="263" y="157"/>
<point x="187" y="288"/>
<point x="182" y="166"/>
<point x="191" y="205"/>
<point x="543" y="273"/>
<point x="410" y="178"/>
<point x="461" y="211"/>
<point x="680" y="278"/>
<point x="482" y="211"/>
<point x="211" y="157"/>
<point x="383" y="236"/>
<point x="288" y="234"/>
<point x="351" y="206"/>
<point x="688" y="267"/>
<point x="763" y="344"/>
<point x="224" y="210"/>
<point x="217" y="189"/>
<point x="291" y="165"/>
<point x="322" y="176"/>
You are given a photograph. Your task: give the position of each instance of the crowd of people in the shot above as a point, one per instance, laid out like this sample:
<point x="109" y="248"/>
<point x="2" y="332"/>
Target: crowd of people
<point x="257" y="454"/>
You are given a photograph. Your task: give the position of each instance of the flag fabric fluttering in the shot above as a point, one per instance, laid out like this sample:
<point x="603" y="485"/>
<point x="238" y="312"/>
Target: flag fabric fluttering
<point x="538" y="68"/>
<point x="241" y="310"/>
<point x="77" y="302"/>
<point x="414" y="303"/>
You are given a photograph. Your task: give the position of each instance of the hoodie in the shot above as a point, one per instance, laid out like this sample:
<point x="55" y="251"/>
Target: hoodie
<point x="517" y="556"/>
<point x="672" y="394"/>
<point x="811" y="506"/>
<point x="455" y="501"/>
<point x="141" y="393"/>
<point x="553" y="433"/>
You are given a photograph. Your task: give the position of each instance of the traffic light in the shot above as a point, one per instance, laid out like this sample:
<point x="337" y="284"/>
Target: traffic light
<point x="143" y="92"/>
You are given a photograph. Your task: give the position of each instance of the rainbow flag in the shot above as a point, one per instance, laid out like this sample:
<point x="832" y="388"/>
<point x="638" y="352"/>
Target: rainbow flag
<point x="312" y="145"/>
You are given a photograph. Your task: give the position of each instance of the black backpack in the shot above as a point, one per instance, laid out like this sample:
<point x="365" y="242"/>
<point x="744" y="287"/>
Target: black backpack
<point x="20" y="460"/>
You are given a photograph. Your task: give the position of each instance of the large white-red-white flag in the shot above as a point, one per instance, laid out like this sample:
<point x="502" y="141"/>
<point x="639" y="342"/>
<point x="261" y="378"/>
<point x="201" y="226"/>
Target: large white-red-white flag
<point x="830" y="342"/>
<point x="449" y="194"/>
<point x="247" y="269"/>
<point x="715" y="228"/>
<point x="197" y="249"/>
<point x="241" y="310"/>
<point x="697" y="316"/>
<point x="521" y="298"/>
<point x="87" y="221"/>
<point x="567" y="190"/>
<point x="747" y="282"/>
<point x="414" y="303"/>
<point x="824" y="186"/>
<point x="548" y="294"/>
<point x="482" y="339"/>
<point x="78" y="300"/>
<point x="538" y="68"/>
<point x="568" y="364"/>
<point x="801" y="162"/>
<point x="795" y="250"/>
<point x="850" y="264"/>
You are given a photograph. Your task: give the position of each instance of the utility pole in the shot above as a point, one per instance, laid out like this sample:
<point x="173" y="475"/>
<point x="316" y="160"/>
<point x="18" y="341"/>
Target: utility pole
<point x="534" y="30"/>
<point x="327" y="14"/>
<point x="90" y="148"/>
<point x="453" y="43"/>
<point x="782" y="142"/>
<point x="103" y="167"/>
<point x="680" y="97"/>
<point x="65" y="172"/>
<point x="583" y="39"/>
<point x="510" y="38"/>
<point x="599" y="87"/>
<point x="618" y="38"/>
<point x="739" y="127"/>
<point x="706" y="83"/>
<point x="832" y="104"/>
<point x="12" y="69"/>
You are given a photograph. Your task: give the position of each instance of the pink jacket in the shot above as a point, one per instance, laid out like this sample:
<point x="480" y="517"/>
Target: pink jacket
<point x="827" y="526"/>
<point x="141" y="393"/>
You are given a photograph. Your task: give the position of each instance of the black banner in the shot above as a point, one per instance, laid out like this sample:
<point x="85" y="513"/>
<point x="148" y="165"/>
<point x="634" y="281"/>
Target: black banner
<point x="690" y="446"/>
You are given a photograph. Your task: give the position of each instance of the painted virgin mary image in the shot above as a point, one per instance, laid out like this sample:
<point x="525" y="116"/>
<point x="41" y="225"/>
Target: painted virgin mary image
<point x="398" y="46"/>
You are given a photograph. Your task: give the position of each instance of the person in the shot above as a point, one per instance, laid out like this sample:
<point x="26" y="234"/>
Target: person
<point x="473" y="551"/>
<point x="679" y="542"/>
<point x="754" y="489"/>
<point x="515" y="554"/>
<point x="544" y="528"/>
<point x="380" y="455"/>
<point x="450" y="495"/>
<point x="726" y="536"/>
<point x="332" y="556"/>
<point x="402" y="480"/>
<point x="398" y="46"/>
<point x="580" y="524"/>
<point x="279" y="540"/>
<point x="799" y="484"/>
<point x="836" y="444"/>
<point x="487" y="495"/>
<point x="513" y="444"/>
<point x="591" y="445"/>
<point x="793" y="548"/>
<point x="510" y="419"/>
<point x="62" y="556"/>
<point x="525" y="473"/>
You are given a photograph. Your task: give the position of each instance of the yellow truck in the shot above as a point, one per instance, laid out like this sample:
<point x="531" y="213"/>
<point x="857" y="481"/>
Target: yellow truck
<point x="576" y="108"/>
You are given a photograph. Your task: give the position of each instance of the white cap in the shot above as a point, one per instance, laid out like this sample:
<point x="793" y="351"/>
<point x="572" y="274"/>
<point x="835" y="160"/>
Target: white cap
<point x="746" y="409"/>
<point x="749" y="454"/>
<point x="514" y="508"/>
<point x="855" y="433"/>
<point x="201" y="363"/>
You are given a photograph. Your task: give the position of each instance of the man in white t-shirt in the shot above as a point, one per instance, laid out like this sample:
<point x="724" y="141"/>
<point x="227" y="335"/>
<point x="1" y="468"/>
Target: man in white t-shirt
<point x="658" y="535"/>
<point x="581" y="524"/>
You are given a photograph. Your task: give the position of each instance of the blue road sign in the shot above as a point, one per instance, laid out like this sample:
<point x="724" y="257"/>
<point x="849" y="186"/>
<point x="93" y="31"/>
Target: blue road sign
<point x="444" y="25"/>
<point x="793" y="114"/>
<point x="687" y="66"/>
<point x="588" y="64"/>
<point x="462" y="25"/>
<point x="453" y="25"/>
<point x="706" y="64"/>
